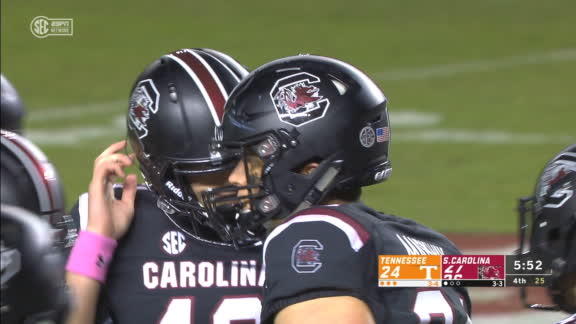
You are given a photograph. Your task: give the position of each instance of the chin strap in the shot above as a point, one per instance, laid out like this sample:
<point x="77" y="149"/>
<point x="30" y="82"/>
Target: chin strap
<point x="319" y="188"/>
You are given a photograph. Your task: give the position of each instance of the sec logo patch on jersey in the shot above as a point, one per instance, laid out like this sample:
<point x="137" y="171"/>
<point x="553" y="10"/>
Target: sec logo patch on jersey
<point x="173" y="242"/>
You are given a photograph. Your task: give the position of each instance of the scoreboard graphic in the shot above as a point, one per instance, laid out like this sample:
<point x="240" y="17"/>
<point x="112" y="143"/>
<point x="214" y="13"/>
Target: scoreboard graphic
<point x="462" y="270"/>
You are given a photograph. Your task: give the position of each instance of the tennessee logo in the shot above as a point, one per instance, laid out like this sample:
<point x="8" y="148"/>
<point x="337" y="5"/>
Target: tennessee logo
<point x="298" y="100"/>
<point x="306" y="256"/>
<point x="143" y="103"/>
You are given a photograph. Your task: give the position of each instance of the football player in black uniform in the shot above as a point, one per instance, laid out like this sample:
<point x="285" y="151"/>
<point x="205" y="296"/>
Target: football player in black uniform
<point x="170" y="266"/>
<point x="32" y="281"/>
<point x="27" y="177"/>
<point x="12" y="109"/>
<point x="30" y="181"/>
<point x="551" y="226"/>
<point x="312" y="131"/>
<point x="32" y="270"/>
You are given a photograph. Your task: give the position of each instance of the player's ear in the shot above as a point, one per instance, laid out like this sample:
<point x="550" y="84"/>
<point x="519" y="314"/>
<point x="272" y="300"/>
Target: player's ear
<point x="309" y="168"/>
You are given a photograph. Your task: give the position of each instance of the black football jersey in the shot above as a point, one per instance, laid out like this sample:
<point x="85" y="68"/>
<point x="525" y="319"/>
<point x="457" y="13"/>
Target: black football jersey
<point x="161" y="275"/>
<point x="333" y="251"/>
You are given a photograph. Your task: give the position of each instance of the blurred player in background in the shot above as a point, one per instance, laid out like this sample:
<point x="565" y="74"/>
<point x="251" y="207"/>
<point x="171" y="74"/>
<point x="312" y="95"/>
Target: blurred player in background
<point x="32" y="277"/>
<point x="30" y="181"/>
<point x="11" y="107"/>
<point x="552" y="225"/>
<point x="169" y="265"/>
<point x="312" y="131"/>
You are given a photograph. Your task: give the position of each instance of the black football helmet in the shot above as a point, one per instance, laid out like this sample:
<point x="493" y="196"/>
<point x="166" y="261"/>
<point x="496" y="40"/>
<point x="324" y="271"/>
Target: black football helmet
<point x="32" y="278"/>
<point x="291" y="112"/>
<point x="552" y="225"/>
<point x="175" y="106"/>
<point x="30" y="181"/>
<point x="12" y="109"/>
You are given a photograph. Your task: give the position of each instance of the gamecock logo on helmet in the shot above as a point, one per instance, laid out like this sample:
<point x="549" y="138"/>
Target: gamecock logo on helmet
<point x="554" y="189"/>
<point x="297" y="100"/>
<point x="143" y="103"/>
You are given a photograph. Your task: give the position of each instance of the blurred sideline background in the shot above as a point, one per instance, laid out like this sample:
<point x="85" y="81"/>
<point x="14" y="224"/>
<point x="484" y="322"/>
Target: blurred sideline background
<point x="481" y="94"/>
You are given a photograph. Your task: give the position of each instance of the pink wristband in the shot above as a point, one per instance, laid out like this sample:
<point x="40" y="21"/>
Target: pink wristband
<point x="91" y="255"/>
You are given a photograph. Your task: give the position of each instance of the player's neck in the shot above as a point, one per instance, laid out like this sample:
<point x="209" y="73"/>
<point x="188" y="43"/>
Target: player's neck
<point x="335" y="201"/>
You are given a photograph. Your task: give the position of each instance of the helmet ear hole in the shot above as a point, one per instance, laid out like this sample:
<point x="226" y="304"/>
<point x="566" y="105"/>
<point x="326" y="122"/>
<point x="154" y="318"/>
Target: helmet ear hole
<point x="173" y="94"/>
<point x="300" y="168"/>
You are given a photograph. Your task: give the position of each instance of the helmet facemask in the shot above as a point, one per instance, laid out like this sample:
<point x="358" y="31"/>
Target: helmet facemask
<point x="172" y="181"/>
<point x="271" y="190"/>
<point x="526" y="220"/>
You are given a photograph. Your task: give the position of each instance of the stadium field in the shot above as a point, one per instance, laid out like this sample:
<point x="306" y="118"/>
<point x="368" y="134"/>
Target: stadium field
<point x="481" y="94"/>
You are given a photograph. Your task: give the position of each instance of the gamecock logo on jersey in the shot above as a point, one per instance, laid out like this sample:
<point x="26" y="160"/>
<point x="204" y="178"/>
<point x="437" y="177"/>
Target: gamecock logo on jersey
<point x="298" y="100"/>
<point x="143" y="103"/>
<point x="306" y="256"/>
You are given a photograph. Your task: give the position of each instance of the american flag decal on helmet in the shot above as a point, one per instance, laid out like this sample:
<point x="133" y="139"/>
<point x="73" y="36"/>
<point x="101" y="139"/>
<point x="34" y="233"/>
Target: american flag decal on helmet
<point x="382" y="134"/>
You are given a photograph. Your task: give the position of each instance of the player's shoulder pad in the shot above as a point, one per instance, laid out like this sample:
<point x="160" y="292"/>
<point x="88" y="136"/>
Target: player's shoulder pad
<point x="82" y="205"/>
<point x="320" y="217"/>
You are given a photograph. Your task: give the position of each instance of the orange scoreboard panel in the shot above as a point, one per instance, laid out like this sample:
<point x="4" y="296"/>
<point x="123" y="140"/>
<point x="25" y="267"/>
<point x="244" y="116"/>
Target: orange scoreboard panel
<point x="409" y="270"/>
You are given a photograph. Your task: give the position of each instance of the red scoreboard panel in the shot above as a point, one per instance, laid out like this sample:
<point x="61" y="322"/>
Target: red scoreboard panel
<point x="474" y="270"/>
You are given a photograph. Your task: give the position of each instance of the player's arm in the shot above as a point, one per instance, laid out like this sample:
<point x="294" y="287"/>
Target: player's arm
<point x="85" y="292"/>
<point x="341" y="309"/>
<point x="318" y="270"/>
<point x="108" y="219"/>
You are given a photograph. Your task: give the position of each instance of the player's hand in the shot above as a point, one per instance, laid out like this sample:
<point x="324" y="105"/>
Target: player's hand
<point x="107" y="215"/>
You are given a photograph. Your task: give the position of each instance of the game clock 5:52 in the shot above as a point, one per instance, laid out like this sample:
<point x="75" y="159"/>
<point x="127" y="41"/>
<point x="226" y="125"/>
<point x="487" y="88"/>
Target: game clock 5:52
<point x="525" y="264"/>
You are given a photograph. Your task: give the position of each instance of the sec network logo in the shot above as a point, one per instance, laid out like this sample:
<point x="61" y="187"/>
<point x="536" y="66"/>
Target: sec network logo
<point x="42" y="27"/>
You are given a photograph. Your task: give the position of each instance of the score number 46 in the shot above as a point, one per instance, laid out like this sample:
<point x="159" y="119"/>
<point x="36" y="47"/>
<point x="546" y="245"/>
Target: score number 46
<point x="451" y="274"/>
